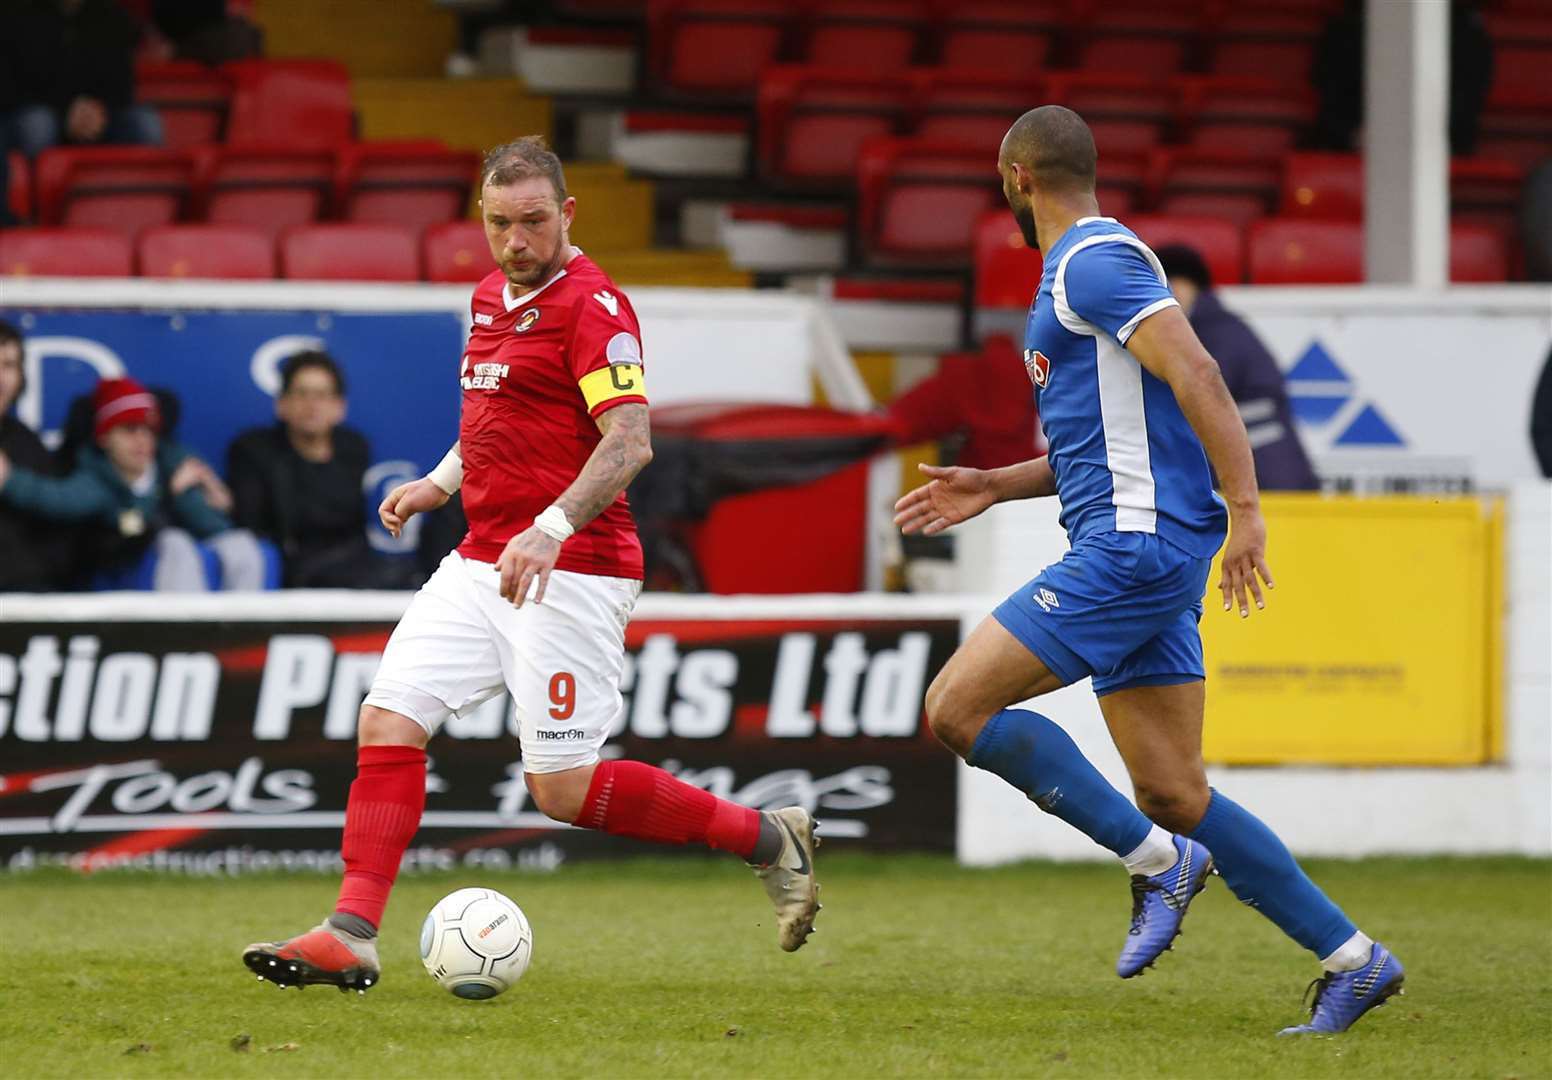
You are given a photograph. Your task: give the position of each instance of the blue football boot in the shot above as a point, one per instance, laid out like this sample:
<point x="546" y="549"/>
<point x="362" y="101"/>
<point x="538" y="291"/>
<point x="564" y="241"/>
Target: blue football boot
<point x="1159" y="905"/>
<point x="1341" y="997"/>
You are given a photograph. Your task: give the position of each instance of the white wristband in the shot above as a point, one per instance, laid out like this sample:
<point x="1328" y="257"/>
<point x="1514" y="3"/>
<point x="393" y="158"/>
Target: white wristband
<point x="448" y="475"/>
<point x="554" y="523"/>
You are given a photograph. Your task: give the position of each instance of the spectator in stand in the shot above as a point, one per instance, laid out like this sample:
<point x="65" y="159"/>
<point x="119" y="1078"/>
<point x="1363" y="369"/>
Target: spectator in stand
<point x="67" y="75"/>
<point x="1253" y="377"/>
<point x="299" y="483"/>
<point x="33" y="554"/>
<point x="1337" y="74"/>
<point x="203" y="30"/>
<point x="155" y="511"/>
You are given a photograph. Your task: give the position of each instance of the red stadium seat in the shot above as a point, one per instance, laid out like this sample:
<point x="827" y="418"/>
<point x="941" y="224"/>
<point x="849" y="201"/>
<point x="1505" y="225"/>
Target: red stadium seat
<point x="1213" y="183"/>
<point x="1517" y="118"/>
<point x="1244" y="115"/>
<point x="19" y="195"/>
<point x="971" y="107"/>
<point x="303" y="104"/>
<point x="1478" y="253"/>
<point x="206" y="251"/>
<point x="406" y="185"/>
<point x="865" y="35"/>
<point x="1124" y="136"/>
<point x="80" y="252"/>
<point x="1106" y="96"/>
<point x="1219" y="242"/>
<point x="349" y="252"/>
<point x="269" y="188"/>
<point x="1146" y="39"/>
<point x="715" y="48"/>
<point x="190" y="98"/>
<point x="1007" y="270"/>
<point x="1293" y="251"/>
<point x="920" y="199"/>
<point x="456" y="251"/>
<point x="1324" y="186"/>
<point x="116" y="187"/>
<point x="813" y="121"/>
<point x="998" y="37"/>
<point x="1276" y="45"/>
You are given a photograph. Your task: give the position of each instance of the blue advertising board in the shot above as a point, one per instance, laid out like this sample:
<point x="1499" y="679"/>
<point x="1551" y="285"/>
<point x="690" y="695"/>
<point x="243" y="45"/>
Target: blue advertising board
<point x="400" y="367"/>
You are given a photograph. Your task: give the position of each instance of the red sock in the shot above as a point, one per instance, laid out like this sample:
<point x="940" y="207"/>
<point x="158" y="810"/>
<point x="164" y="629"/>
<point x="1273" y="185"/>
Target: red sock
<point x="628" y="798"/>
<point x="380" y="821"/>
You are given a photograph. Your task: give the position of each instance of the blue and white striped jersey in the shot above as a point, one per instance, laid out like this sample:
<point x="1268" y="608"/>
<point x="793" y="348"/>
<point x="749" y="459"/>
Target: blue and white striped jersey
<point x="1124" y="456"/>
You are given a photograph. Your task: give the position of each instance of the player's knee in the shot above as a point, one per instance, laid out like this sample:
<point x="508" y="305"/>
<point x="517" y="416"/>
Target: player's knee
<point x="383" y="727"/>
<point x="954" y="720"/>
<point x="1174" y="804"/>
<point x="556" y="797"/>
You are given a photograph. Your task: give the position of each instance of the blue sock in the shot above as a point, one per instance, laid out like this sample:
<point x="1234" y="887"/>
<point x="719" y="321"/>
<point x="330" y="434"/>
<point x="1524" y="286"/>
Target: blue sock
<point x="1261" y="871"/>
<point x="1042" y="761"/>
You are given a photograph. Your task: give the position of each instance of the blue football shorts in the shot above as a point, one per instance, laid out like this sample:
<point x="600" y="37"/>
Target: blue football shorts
<point x="1122" y="607"/>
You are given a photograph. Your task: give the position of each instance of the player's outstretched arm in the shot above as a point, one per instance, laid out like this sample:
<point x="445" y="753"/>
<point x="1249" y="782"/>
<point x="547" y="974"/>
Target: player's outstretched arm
<point x="1165" y="344"/>
<point x="958" y="494"/>
<point x="624" y="450"/>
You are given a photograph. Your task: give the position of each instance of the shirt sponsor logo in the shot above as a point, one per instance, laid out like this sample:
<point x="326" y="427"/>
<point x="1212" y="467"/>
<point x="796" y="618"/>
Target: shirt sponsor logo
<point x="525" y="321"/>
<point x="485" y="377"/>
<point x="1039" y="367"/>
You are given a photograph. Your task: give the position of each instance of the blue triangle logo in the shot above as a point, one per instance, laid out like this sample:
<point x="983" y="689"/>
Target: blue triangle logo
<point x="1316" y="365"/>
<point x="1316" y="408"/>
<point x="1369" y="428"/>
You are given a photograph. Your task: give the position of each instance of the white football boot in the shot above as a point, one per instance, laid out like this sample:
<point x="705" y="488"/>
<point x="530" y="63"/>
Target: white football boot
<point x="789" y="881"/>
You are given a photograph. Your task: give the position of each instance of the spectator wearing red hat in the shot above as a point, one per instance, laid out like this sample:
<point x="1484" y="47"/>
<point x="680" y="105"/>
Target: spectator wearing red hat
<point x="156" y="509"/>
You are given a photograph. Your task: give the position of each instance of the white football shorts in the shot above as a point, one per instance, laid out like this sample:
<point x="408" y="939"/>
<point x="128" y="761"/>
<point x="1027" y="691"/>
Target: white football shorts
<point x="459" y="644"/>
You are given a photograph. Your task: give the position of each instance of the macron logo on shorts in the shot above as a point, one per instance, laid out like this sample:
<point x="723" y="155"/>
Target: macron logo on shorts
<point x="566" y="735"/>
<point x="1047" y="600"/>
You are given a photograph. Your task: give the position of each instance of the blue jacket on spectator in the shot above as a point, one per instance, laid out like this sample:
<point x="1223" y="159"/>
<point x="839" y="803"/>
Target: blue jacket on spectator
<point x="95" y="492"/>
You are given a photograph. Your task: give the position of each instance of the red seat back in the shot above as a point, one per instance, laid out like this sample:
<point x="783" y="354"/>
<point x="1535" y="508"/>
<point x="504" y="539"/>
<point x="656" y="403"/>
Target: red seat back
<point x="866" y="35"/>
<point x="121" y="187"/>
<point x="1292" y="251"/>
<point x="19" y="195"/>
<point x="47" y="252"/>
<point x="1326" y="186"/>
<point x="1478" y="253"/>
<point x="413" y="187"/>
<point x="1007" y="270"/>
<point x="268" y="187"/>
<point x="298" y="103"/>
<point x="715" y="47"/>
<point x="813" y="121"/>
<point x="1219" y="242"/>
<point x="1210" y="183"/>
<point x="920" y="198"/>
<point x="456" y="251"/>
<point x="349" y="252"/>
<point x="206" y="251"/>
<point x="191" y="99"/>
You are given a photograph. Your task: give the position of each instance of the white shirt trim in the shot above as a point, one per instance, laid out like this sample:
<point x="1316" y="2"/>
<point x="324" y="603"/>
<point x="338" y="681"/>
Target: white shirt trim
<point x="512" y="304"/>
<point x="1131" y="324"/>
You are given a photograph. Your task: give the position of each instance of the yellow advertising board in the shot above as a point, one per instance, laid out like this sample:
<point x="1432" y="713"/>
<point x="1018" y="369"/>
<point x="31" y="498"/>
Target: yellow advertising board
<point x="1381" y="644"/>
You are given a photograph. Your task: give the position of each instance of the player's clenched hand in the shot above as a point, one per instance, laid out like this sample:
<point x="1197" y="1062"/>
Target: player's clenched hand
<point x="528" y="555"/>
<point x="1243" y="559"/>
<point x="407" y="500"/>
<point x="953" y="495"/>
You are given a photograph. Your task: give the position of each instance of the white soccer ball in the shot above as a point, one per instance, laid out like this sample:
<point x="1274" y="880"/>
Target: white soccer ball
<point x="476" y="943"/>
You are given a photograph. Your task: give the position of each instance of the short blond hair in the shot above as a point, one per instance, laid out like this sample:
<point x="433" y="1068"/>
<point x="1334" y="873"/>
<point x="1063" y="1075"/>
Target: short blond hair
<point x="521" y="159"/>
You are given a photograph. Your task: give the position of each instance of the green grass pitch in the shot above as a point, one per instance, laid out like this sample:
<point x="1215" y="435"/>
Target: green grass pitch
<point x="670" y="968"/>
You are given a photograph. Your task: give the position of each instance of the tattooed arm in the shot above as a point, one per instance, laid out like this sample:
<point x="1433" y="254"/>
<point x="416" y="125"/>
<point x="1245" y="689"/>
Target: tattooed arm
<point x="624" y="451"/>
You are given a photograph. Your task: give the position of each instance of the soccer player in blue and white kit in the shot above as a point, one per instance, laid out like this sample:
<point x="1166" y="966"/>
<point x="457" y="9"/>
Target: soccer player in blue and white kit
<point x="1129" y="400"/>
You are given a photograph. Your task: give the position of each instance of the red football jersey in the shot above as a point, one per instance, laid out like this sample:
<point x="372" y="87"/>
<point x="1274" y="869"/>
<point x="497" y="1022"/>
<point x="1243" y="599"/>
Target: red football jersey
<point x="537" y="372"/>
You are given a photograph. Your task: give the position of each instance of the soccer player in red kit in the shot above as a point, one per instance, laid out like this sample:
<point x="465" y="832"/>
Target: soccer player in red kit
<point x="536" y="598"/>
